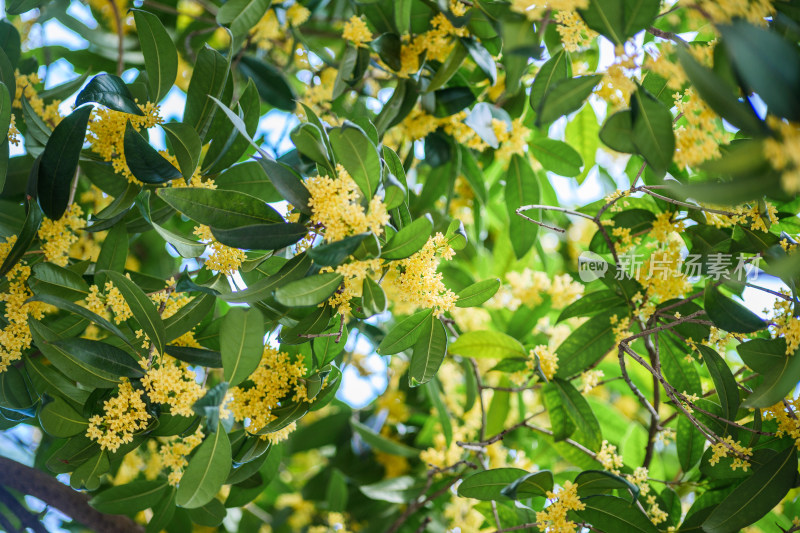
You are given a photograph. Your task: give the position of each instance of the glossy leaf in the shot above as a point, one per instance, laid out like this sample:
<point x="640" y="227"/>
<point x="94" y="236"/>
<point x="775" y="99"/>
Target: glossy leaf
<point x="477" y="293"/>
<point x="206" y="472"/>
<point x="408" y="240"/>
<point x="261" y="236"/>
<point x="144" y="161"/>
<point x="142" y="308"/>
<point x="405" y="334"/>
<point x="241" y="339"/>
<point x="160" y="54"/>
<point x="428" y="352"/>
<point x="487" y="344"/>
<point x="309" y="291"/>
<point x="110" y="91"/>
<point x="564" y="97"/>
<point x="356" y="153"/>
<point x="489" y="484"/>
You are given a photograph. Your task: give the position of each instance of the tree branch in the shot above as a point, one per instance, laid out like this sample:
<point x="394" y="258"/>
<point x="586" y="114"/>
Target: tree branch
<point x="32" y="482"/>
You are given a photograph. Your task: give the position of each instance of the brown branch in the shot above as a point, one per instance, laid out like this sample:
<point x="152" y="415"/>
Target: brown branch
<point x="74" y="504"/>
<point x="26" y="518"/>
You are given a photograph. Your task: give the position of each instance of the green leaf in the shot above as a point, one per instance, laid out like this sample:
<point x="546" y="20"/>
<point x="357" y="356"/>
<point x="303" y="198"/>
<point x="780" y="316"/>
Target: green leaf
<point x="652" y="131"/>
<point x="207" y="470"/>
<point x="143" y="309"/>
<point x="487" y="344"/>
<point x="777" y="383"/>
<point x="591" y="341"/>
<point x="60" y="162"/>
<point x="92" y="363"/>
<point x="25" y="238"/>
<point x="489" y="484"/>
<point x="81" y="311"/>
<point x="679" y="372"/>
<point x="87" y="476"/>
<point x="393" y="490"/>
<point x="373" y="299"/>
<point x="208" y="81"/>
<point x="531" y="484"/>
<point x="522" y="188"/>
<point x="756" y="495"/>
<point x="261" y="236"/>
<point x="428" y="353"/>
<point x="110" y="91"/>
<point x="560" y="423"/>
<point x="724" y="382"/>
<point x="308" y="140"/>
<point x="195" y="356"/>
<point x="186" y="145"/>
<point x="287" y="182"/>
<point x="592" y="482"/>
<point x="309" y="291"/>
<point x="381" y="443"/>
<point x="270" y="82"/>
<point x="582" y="133"/>
<point x="10" y="42"/>
<point x="48" y="278"/>
<point x="477" y="293"/>
<point x="689" y="443"/>
<point x="332" y="254"/>
<point x="719" y="96"/>
<point x="387" y="46"/>
<point x="160" y="54"/>
<point x="481" y="57"/>
<point x="209" y="515"/>
<point x="144" y="161"/>
<point x="591" y="303"/>
<point x="241" y="339"/>
<point x="449" y="67"/>
<point x="579" y="411"/>
<point x="763" y="355"/>
<point x="404" y="334"/>
<point x="565" y="96"/>
<point x="294" y="269"/>
<point x="728" y="314"/>
<point x="336" y="492"/>
<point x="408" y="240"/>
<point x="130" y="498"/>
<point x="554" y="70"/>
<point x="220" y="209"/>
<point x="619" y="20"/>
<point x="358" y="156"/>
<point x="609" y="513"/>
<point x="241" y="15"/>
<point x="45" y="377"/>
<point x="556" y="156"/>
<point x="617" y="132"/>
<point x="58" y="419"/>
<point x="451" y="100"/>
<point x="767" y="64"/>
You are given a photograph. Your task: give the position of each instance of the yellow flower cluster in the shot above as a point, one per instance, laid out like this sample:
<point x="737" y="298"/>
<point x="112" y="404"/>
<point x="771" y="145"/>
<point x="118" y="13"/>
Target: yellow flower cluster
<point x="436" y="43"/>
<point x="418" y="124"/>
<point x="785" y="414"/>
<point x="269" y="31"/>
<point x="356" y="31"/>
<point x="564" y="290"/>
<point x="727" y="446"/>
<point x="224" y="259"/>
<point x="784" y="154"/>
<point x="171" y="382"/>
<point x="15" y="336"/>
<point x="276" y="377"/>
<point x="415" y="280"/>
<point x="106" y="133"/>
<point x="173" y="454"/>
<point x="282" y="434"/>
<point x="58" y="236"/>
<point x="302" y="510"/>
<point x="534" y="9"/>
<point x="111" y="13"/>
<point x="620" y="328"/>
<point x="554" y="517"/>
<point x="786" y="325"/>
<point x="513" y="139"/>
<point x="123" y="415"/>
<point x="607" y="456"/>
<point x="393" y="465"/>
<point x="722" y="11"/>
<point x="13" y="132"/>
<point x="335" y="205"/>
<point x="574" y="32"/>
<point x="590" y="379"/>
<point x="617" y="84"/>
<point x="25" y="89"/>
<point x="699" y="139"/>
<point x="112" y="299"/>
<point x="548" y="360"/>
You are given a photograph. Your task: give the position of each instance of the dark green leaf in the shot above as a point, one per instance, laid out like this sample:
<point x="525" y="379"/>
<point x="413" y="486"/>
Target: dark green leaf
<point x="220" y="209"/>
<point x="270" y="82"/>
<point x="186" y="145"/>
<point x="261" y="236"/>
<point x="143" y="309"/>
<point x="309" y="291"/>
<point x="207" y="470"/>
<point x="565" y="96"/>
<point x="358" y="156"/>
<point x="404" y="334"/>
<point x="730" y="315"/>
<point x="208" y="80"/>
<point x="554" y="70"/>
<point x="619" y="20"/>
<point x="591" y="341"/>
<point x="110" y="91"/>
<point x="652" y="131"/>
<point x="556" y="156"/>
<point x="489" y="484"/>
<point x="332" y="254"/>
<point x="724" y="382"/>
<point x="160" y="54"/>
<point x="25" y="238"/>
<point x="58" y="419"/>
<point x="428" y="353"/>
<point x="60" y="162"/>
<point x="408" y="240"/>
<point x="241" y="339"/>
<point x="129" y="498"/>
<point x="48" y="278"/>
<point x="196" y="356"/>
<point x="531" y="484"/>
<point x="522" y="188"/>
<point x="609" y="513"/>
<point x="144" y="161"/>
<point x="617" y="132"/>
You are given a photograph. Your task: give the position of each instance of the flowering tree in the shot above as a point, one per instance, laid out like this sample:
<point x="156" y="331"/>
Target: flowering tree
<point x="334" y="185"/>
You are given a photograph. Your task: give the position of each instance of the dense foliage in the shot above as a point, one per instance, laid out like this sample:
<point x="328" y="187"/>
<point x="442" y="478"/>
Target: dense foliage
<point x="373" y="187"/>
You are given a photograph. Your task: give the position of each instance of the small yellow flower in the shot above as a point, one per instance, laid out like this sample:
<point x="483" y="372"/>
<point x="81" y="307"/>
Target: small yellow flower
<point x="356" y="31"/>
